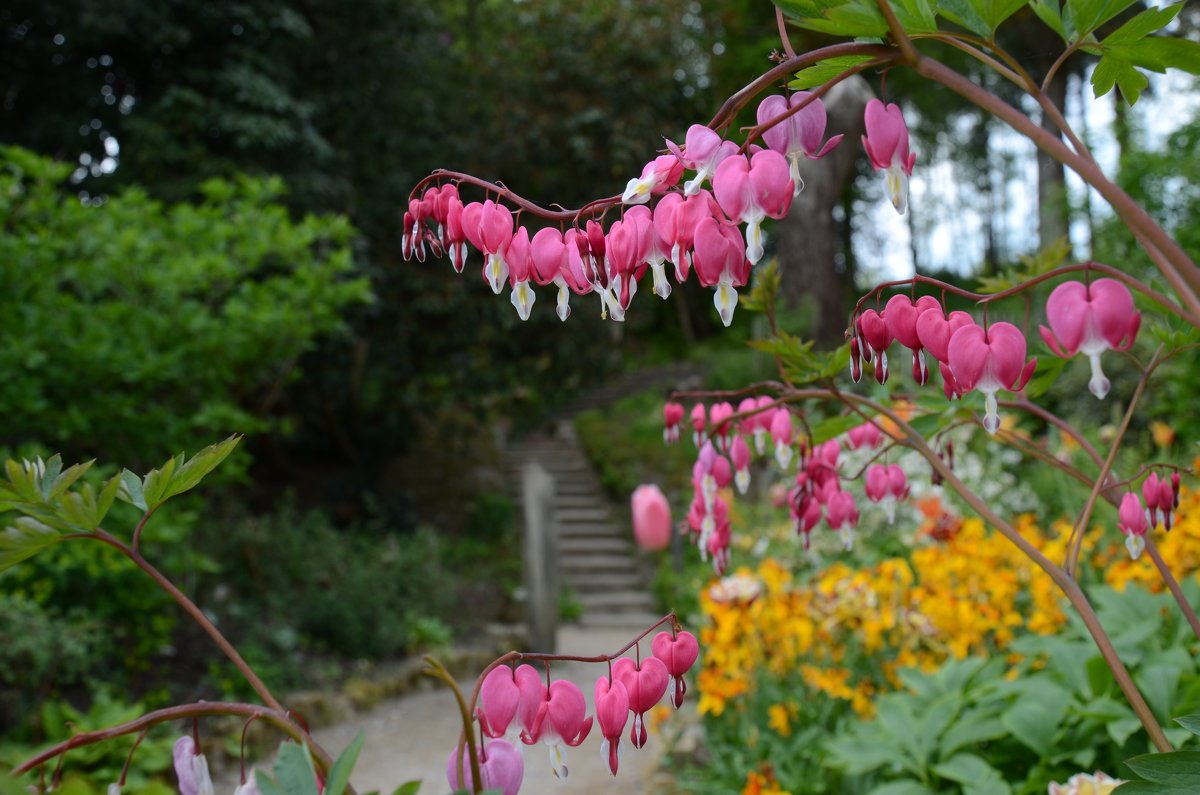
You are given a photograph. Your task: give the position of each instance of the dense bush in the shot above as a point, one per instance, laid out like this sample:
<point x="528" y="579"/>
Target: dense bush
<point x="139" y="326"/>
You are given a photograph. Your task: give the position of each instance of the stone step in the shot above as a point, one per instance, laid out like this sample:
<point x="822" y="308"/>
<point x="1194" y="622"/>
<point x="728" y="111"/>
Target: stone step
<point x="580" y="546"/>
<point x="617" y="601"/>
<point x="582" y="515"/>
<point x="589" y="582"/>
<point x="581" y="564"/>
<point x="634" y="621"/>
<point x="565" y="503"/>
<point x="591" y="530"/>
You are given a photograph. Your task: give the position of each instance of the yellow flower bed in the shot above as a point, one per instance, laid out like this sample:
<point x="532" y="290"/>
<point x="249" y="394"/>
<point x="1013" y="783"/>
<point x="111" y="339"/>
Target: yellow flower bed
<point x="845" y="632"/>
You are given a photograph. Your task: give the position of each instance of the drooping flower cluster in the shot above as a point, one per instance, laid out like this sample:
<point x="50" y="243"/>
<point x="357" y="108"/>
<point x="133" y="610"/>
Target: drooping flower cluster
<point x="691" y="227"/>
<point x="1086" y="319"/>
<point x="1134" y="519"/>
<point x="817" y="492"/>
<point x="516" y="707"/>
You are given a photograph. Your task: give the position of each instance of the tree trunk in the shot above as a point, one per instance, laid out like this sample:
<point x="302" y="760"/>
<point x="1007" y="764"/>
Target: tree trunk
<point x="1052" y="182"/>
<point x="808" y="237"/>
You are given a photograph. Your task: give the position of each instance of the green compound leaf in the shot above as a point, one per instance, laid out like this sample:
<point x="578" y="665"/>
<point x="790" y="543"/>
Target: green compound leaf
<point x="1049" y="12"/>
<point x="131" y="490"/>
<point x="1091" y="14"/>
<point x="1112" y="71"/>
<point x="851" y="19"/>
<point x="189" y="475"/>
<point x="23" y="539"/>
<point x="1149" y="21"/>
<point x="821" y="73"/>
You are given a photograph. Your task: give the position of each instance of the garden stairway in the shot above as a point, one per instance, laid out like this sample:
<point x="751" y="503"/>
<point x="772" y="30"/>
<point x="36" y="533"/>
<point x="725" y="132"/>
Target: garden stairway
<point x="596" y="557"/>
<point x="595" y="554"/>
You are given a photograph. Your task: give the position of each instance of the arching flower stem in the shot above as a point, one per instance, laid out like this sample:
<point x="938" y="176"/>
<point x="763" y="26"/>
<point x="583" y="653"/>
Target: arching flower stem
<point x="1075" y="543"/>
<point x="983" y="299"/>
<point x="436" y="670"/>
<point x="180" y="711"/>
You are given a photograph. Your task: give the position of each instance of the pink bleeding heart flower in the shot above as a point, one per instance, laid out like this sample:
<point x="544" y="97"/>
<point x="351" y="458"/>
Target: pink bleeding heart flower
<point x="762" y="423"/>
<point x="520" y="273"/>
<point x="549" y="258"/>
<point x="443" y="199"/>
<point x="718" y="418"/>
<point x="412" y="243"/>
<point x="675" y="221"/>
<point x="806" y="514"/>
<point x="901" y="317"/>
<point x="875" y="332"/>
<point x="658" y="175"/>
<point x="842" y="515"/>
<point x="455" y="236"/>
<point x="678" y="653"/>
<point x="500" y="766"/>
<point x="646" y="684"/>
<point x="748" y="408"/>
<point x="866" y="435"/>
<point x="1159" y="495"/>
<point x="710" y="473"/>
<point x="712" y="526"/>
<point x="651" y="517"/>
<point x="887" y="144"/>
<point x="1091" y="319"/>
<point x="191" y="768"/>
<point x="739" y="451"/>
<point x="990" y="360"/>
<point x="1132" y="521"/>
<point x="499" y="698"/>
<point x="652" y="250"/>
<point x="752" y="190"/>
<point x="699" y="420"/>
<point x="623" y="251"/>
<point x="934" y="331"/>
<point x="782" y="432"/>
<point x="856" y="356"/>
<point x="703" y="150"/>
<point x="489" y="228"/>
<point x="887" y="485"/>
<point x="575" y="273"/>
<point x="720" y="261"/>
<point x="672" y="417"/>
<point x="561" y="721"/>
<point x="612" y="711"/>
<point x="798" y="135"/>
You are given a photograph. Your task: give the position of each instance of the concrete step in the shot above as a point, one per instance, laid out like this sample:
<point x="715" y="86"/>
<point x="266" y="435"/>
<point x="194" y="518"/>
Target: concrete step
<point x="591" y="530"/>
<point x="617" y="602"/>
<point x="581" y="546"/>
<point x="635" y="621"/>
<point x="595" y="563"/>
<point x="589" y="582"/>
<point x="582" y="515"/>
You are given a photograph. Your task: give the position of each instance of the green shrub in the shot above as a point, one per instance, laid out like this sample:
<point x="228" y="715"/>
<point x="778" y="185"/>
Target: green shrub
<point x="138" y="326"/>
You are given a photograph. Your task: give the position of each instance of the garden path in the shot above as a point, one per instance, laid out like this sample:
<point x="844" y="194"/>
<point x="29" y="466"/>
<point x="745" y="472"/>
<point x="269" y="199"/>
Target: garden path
<point x="410" y="737"/>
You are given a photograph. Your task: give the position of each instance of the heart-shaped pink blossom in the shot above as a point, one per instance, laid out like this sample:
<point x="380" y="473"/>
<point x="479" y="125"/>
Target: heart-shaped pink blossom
<point x="500" y="766"/>
<point x="646" y="685"/>
<point x="679" y="654"/>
